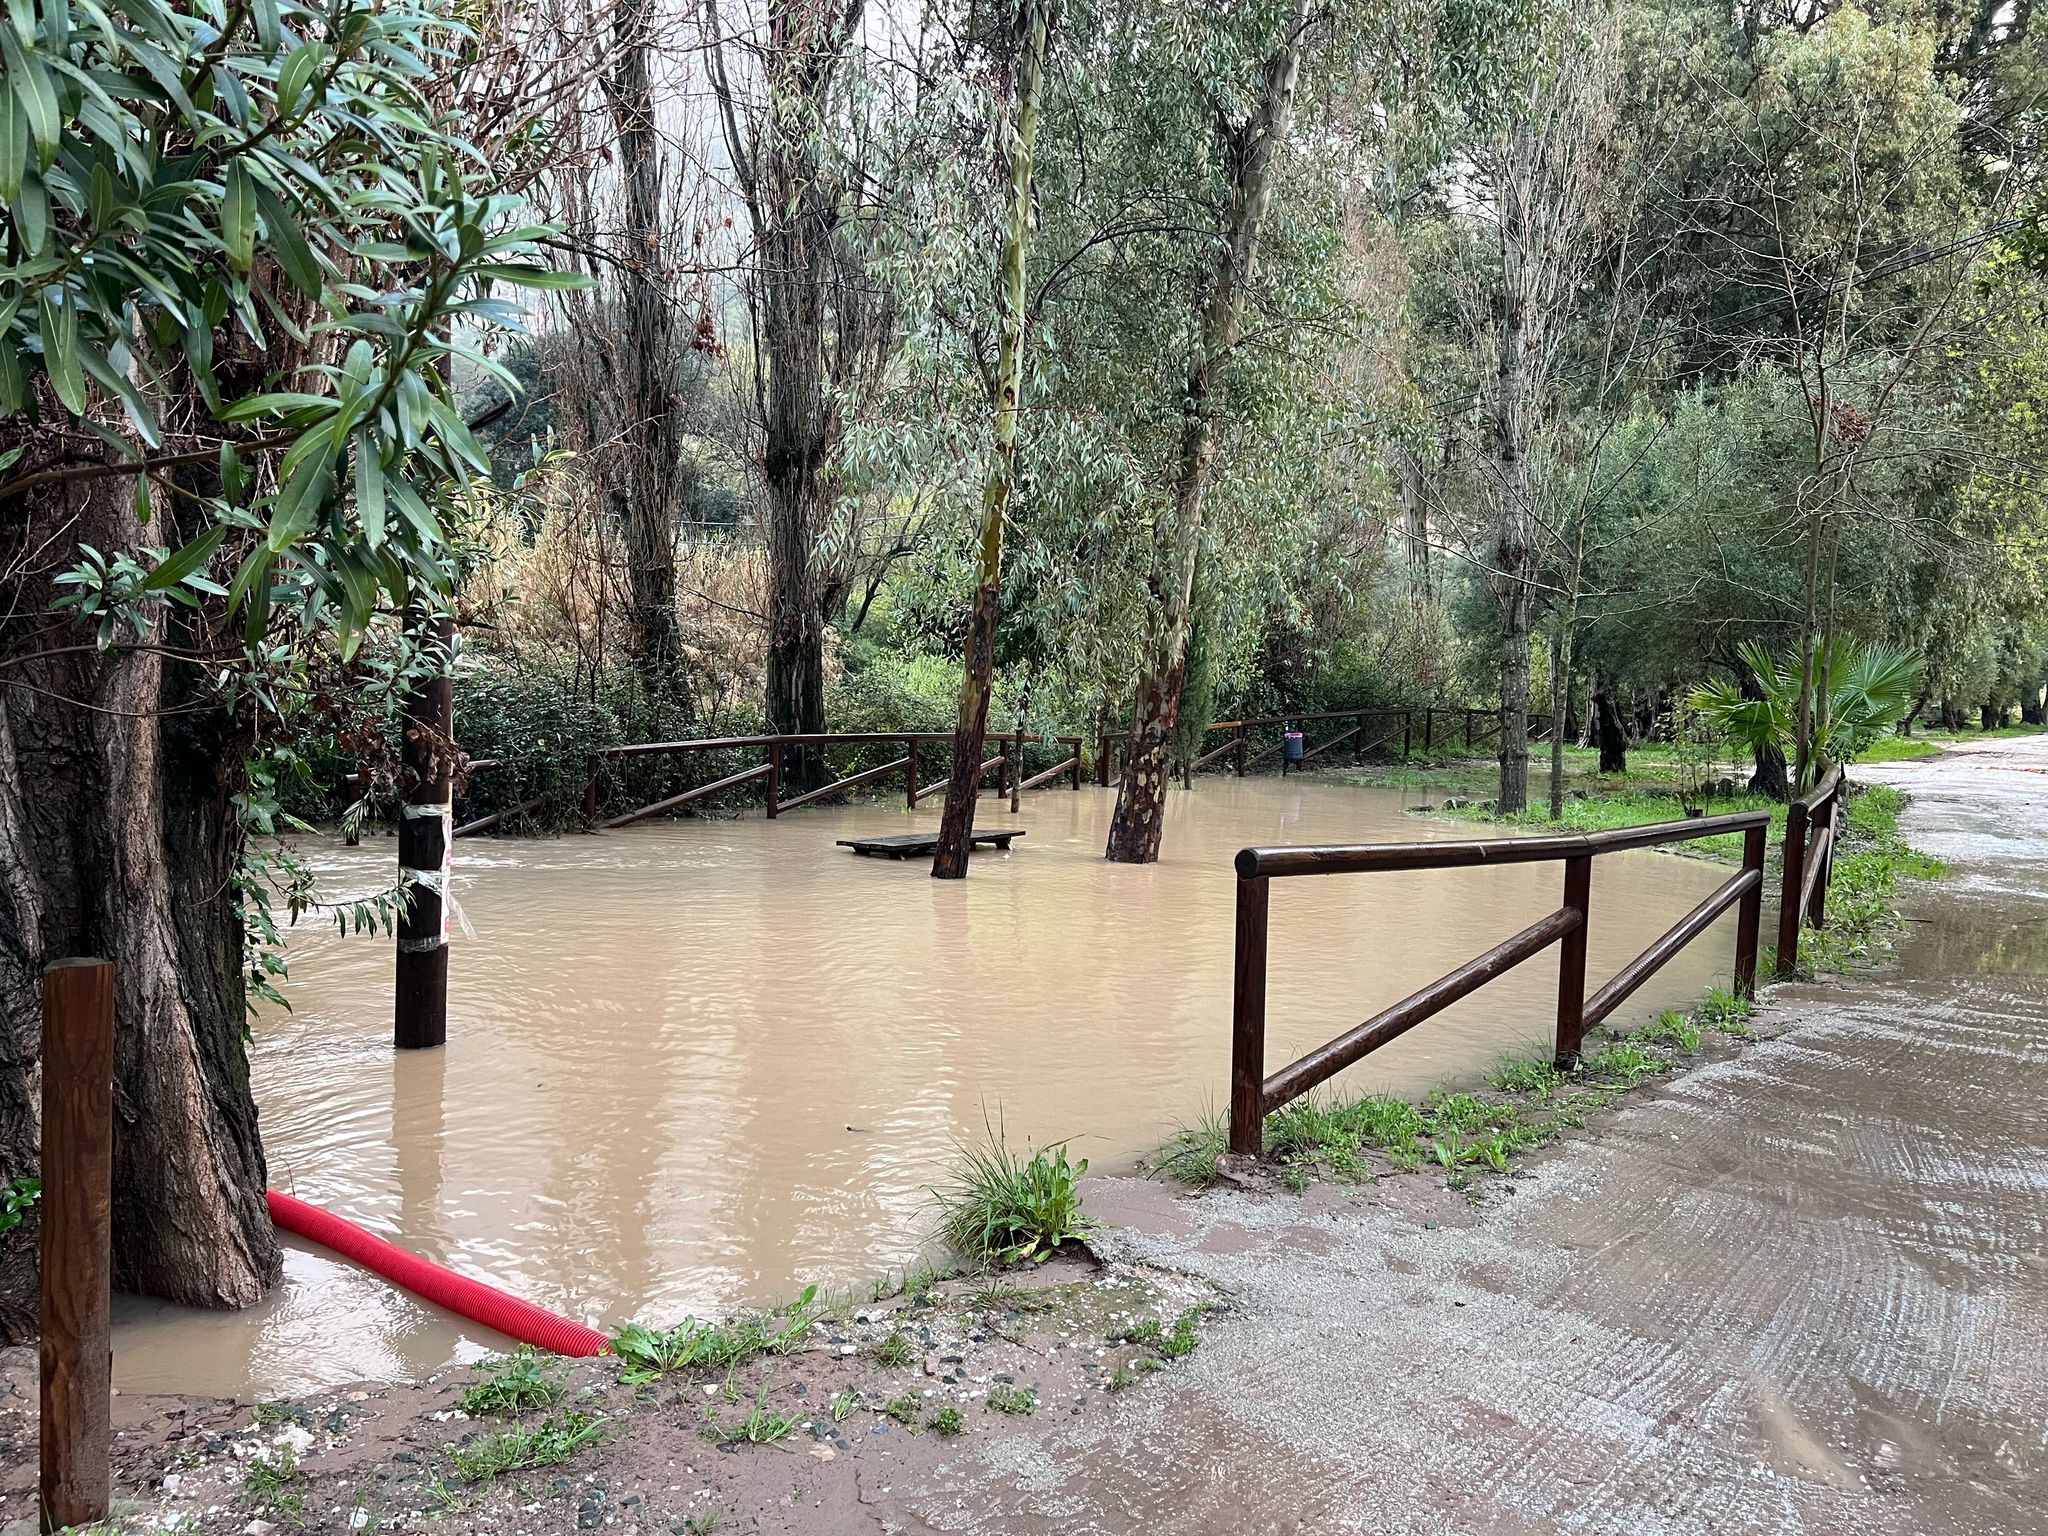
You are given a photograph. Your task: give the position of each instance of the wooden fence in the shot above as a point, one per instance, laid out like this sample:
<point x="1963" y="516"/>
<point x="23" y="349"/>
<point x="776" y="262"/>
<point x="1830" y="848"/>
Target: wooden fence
<point x="1254" y="1094"/>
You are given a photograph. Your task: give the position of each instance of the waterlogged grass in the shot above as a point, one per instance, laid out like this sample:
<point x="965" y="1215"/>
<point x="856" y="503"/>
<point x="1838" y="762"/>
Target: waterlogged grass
<point x="649" y="1353"/>
<point x="507" y="1385"/>
<point x="1636" y="808"/>
<point x="1527" y="1104"/>
<point x="1001" y="1207"/>
<point x="553" y="1441"/>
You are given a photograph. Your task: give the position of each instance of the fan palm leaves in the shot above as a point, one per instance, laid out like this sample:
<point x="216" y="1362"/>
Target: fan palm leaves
<point x="1861" y="691"/>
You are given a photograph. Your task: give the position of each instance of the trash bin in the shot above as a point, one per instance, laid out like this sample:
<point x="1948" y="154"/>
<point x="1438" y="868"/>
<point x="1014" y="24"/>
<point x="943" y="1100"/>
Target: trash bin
<point x="1290" y="749"/>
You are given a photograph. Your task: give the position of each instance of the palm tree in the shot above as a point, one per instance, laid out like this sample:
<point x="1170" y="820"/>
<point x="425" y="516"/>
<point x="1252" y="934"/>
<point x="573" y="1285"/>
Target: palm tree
<point x="1861" y="691"/>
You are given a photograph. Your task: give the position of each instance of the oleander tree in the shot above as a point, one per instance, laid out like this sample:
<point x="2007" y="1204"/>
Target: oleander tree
<point x="247" y="241"/>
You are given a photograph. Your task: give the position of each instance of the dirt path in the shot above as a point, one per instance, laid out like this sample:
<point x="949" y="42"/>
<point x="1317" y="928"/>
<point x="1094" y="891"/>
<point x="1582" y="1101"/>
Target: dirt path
<point x="1803" y="1289"/>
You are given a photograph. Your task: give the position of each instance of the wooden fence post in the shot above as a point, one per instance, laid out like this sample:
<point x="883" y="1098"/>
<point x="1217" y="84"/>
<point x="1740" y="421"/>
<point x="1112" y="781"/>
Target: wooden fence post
<point x="910" y="776"/>
<point x="1817" y="914"/>
<point x="426" y="830"/>
<point x="1428" y="727"/>
<point x="1790" y="890"/>
<point x="77" y="1242"/>
<point x="1750" y="915"/>
<point x="1242" y="739"/>
<point x="1407" y="733"/>
<point x="1248" y="1019"/>
<point x="1015" y="768"/>
<point x="1571" y="963"/>
<point x="774" y="779"/>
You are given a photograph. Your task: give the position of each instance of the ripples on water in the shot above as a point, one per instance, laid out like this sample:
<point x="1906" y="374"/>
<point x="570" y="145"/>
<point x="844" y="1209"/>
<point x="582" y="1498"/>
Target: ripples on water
<point x="693" y="1065"/>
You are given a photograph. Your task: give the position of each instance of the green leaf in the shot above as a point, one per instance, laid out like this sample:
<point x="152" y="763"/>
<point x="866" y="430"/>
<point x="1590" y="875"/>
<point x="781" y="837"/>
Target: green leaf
<point x="306" y="491"/>
<point x="187" y="560"/>
<point x="238" y="217"/>
<point x="269" y="31"/>
<point x="369" y="491"/>
<point x="288" y="243"/>
<point x="14" y="142"/>
<point x="60" y="351"/>
<point x="296" y="73"/>
<point x="521" y="276"/>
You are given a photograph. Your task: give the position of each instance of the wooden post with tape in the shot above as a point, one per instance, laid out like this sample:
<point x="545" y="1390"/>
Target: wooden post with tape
<point x="425" y="846"/>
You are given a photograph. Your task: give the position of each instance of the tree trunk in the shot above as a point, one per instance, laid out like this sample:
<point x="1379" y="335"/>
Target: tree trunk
<point x="1139" y="822"/>
<point x="1560" y="706"/>
<point x="1990" y="716"/>
<point x="956" y="826"/>
<point x="118" y="838"/>
<point x="1613" y="735"/>
<point x="649" y="497"/>
<point x="1513" y="552"/>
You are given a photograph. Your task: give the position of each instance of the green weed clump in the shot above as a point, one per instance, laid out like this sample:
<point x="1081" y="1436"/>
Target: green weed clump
<point x="763" y="1426"/>
<point x="648" y="1353"/>
<point x="894" y="1350"/>
<point x="1004" y="1208"/>
<point x="520" y="1382"/>
<point x="1004" y="1398"/>
<point x="947" y="1421"/>
<point x="553" y="1441"/>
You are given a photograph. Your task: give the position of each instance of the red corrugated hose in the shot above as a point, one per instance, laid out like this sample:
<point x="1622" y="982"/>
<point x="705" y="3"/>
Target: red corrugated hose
<point x="473" y="1299"/>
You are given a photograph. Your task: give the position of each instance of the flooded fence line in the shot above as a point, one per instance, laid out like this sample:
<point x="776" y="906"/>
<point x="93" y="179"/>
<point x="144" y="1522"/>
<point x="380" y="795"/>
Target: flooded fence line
<point x="1254" y="1094"/>
<point x="1811" y="824"/>
<point x="1009" y="763"/>
<point x="1479" y="726"/>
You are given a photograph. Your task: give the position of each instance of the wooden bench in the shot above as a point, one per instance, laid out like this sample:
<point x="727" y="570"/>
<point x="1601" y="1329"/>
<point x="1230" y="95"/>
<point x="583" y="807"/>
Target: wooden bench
<point x="911" y="845"/>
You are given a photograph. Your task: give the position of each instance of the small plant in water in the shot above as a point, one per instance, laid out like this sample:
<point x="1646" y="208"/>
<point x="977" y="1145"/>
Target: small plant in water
<point x="1004" y="1398"/>
<point x="647" y="1353"/>
<point x="512" y="1384"/>
<point x="1004" y="1208"/>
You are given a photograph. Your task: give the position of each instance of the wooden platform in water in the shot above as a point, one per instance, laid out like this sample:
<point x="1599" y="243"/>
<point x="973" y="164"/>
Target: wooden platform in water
<point x="911" y="845"/>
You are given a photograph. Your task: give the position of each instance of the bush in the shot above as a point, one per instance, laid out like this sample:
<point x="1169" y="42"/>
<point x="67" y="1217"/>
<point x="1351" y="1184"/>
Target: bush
<point x="1005" y="1209"/>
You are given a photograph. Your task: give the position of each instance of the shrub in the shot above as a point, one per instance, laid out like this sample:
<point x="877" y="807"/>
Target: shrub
<point x="1004" y="1208"/>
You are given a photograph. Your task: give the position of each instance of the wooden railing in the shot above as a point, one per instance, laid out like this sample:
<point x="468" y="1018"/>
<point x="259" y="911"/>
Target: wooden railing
<point x="1408" y="725"/>
<point x="1811" y="825"/>
<point x="1254" y="1094"/>
<point x="1007" y="764"/>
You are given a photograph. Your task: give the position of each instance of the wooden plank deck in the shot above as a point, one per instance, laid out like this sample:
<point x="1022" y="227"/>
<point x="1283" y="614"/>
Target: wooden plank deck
<point x="911" y="845"/>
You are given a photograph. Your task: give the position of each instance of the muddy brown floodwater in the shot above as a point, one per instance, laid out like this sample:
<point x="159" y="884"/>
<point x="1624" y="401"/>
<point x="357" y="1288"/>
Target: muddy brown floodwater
<point x="695" y="1065"/>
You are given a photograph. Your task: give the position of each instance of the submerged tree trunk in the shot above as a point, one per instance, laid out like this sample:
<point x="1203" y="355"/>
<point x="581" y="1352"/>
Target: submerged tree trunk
<point x="118" y="839"/>
<point x="956" y="826"/>
<point x="1140" y="818"/>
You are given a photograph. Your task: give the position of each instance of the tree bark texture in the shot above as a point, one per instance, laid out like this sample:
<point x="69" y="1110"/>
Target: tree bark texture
<point x="118" y="839"/>
<point x="963" y="788"/>
<point x="1139" y="822"/>
<point x="654" y="486"/>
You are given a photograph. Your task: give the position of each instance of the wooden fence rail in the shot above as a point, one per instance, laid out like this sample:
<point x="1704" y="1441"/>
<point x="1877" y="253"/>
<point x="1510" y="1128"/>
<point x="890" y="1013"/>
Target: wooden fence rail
<point x="1254" y="1094"/>
<point x="1811" y="825"/>
<point x="1479" y="725"/>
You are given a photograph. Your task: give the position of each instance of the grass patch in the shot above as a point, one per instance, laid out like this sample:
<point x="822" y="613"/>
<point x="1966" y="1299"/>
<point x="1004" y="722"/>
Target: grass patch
<point x="272" y="1484"/>
<point x="1871" y="859"/>
<point x="1130" y="1372"/>
<point x="895" y="1350"/>
<point x="762" y="1426"/>
<point x="1896" y="749"/>
<point x="1004" y="1208"/>
<point x="905" y="1408"/>
<point x="947" y="1421"/>
<point x="1189" y="1154"/>
<point x="1004" y="1398"/>
<point x="553" y="1441"/>
<point x="648" y="1353"/>
<point x="1608" y="811"/>
<point x="508" y="1385"/>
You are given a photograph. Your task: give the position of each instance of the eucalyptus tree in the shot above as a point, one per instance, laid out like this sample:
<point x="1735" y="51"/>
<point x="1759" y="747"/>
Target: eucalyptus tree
<point x="241" y="243"/>
<point x="1020" y="56"/>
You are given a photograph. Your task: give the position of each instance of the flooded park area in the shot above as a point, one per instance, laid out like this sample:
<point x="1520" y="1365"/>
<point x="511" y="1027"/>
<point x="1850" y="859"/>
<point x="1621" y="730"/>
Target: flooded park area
<point x="695" y="1065"/>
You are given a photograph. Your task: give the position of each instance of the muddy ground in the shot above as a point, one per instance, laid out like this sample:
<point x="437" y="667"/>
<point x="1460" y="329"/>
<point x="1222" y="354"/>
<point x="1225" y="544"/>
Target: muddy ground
<point x="1801" y="1287"/>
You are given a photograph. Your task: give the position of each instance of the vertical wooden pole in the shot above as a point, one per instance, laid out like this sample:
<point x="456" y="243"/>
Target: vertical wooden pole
<point x="1789" y="902"/>
<point x="910" y="777"/>
<point x="1571" y="963"/>
<point x="1358" y="752"/>
<point x="77" y="1245"/>
<point x="1428" y="728"/>
<point x="1242" y="739"/>
<point x="1407" y="733"/>
<point x="1077" y="764"/>
<point x="1468" y="730"/>
<point x="774" y="779"/>
<point x="1248" y="1019"/>
<point x="1749" y="916"/>
<point x="1017" y="769"/>
<point x="590" y="792"/>
<point x="426" y="822"/>
<point x="1817" y="914"/>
